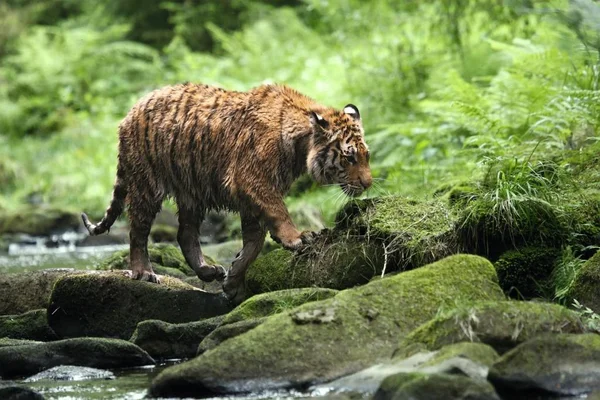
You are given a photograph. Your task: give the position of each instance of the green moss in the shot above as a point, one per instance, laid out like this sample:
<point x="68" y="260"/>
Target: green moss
<point x="559" y="364"/>
<point x="161" y="255"/>
<point x="163" y="340"/>
<point x="163" y="233"/>
<point x="226" y="332"/>
<point x="335" y="260"/>
<point x="111" y="305"/>
<point x="266" y="304"/>
<point x="32" y="325"/>
<point x="477" y="352"/>
<point x="434" y="386"/>
<point x="524" y="273"/>
<point x="326" y="339"/>
<point x="270" y="272"/>
<point x="415" y="233"/>
<point x="587" y="284"/>
<point x="583" y="212"/>
<point x="38" y="221"/>
<point x="501" y="324"/>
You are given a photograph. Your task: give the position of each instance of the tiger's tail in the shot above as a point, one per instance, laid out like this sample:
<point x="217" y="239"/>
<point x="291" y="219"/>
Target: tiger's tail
<point x="116" y="207"/>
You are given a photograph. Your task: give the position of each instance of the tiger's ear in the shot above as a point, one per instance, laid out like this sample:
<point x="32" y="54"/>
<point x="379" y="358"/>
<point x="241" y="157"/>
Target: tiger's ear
<point x="318" y="120"/>
<point x="352" y="111"/>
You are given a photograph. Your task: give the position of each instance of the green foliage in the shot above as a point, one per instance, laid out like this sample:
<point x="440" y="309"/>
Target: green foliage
<point x="590" y="319"/>
<point x="443" y="86"/>
<point x="564" y="274"/>
<point x="517" y="202"/>
<point x="524" y="273"/>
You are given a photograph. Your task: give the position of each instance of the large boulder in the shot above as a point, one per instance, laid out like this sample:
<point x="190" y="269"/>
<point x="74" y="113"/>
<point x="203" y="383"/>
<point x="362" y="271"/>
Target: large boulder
<point x="28" y="291"/>
<point x="39" y="221"/>
<point x="26" y="360"/>
<point x="562" y="365"/>
<point x="370" y="237"/>
<point x="413" y="232"/>
<point x="163" y="340"/>
<point x="418" y="386"/>
<point x="468" y="359"/>
<point x="586" y="287"/>
<point x="13" y="391"/>
<point x="32" y="325"/>
<point x="108" y="304"/>
<point x="323" y="340"/>
<point x="501" y="324"/>
<point x="335" y="261"/>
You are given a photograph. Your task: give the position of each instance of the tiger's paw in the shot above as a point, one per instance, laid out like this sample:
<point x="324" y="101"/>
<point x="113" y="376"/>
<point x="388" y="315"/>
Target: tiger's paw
<point x="234" y="289"/>
<point x="209" y="273"/>
<point x="143" y="275"/>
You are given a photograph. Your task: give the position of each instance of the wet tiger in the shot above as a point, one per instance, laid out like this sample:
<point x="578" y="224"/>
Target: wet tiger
<point x="211" y="148"/>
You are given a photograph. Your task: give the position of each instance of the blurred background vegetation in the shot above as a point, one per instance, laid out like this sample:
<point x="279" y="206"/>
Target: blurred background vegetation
<point x="448" y="89"/>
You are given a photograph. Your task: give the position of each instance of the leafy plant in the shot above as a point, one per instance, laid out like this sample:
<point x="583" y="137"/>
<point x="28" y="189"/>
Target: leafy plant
<point x="564" y="274"/>
<point x="590" y="319"/>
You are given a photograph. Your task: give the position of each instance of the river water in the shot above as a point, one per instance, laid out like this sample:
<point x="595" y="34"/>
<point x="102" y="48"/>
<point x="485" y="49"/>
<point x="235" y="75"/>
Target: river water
<point x="31" y="254"/>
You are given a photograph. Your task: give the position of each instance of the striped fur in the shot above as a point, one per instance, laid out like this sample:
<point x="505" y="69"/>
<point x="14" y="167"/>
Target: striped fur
<point x="215" y="149"/>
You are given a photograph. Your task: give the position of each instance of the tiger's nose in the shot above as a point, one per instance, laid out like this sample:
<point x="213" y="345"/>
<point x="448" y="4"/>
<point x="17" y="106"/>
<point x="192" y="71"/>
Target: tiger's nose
<point x="366" y="182"/>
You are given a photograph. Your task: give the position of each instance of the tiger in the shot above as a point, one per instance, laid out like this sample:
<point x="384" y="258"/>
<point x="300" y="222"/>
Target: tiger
<point x="214" y="149"/>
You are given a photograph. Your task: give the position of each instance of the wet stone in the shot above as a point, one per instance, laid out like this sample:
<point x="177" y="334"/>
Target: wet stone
<point x="71" y="373"/>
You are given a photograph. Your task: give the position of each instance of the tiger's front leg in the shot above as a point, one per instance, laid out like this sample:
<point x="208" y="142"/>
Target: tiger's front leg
<point x="253" y="237"/>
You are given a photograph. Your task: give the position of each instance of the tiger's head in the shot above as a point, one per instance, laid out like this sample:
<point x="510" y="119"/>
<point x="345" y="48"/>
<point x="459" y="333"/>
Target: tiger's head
<point x="338" y="153"/>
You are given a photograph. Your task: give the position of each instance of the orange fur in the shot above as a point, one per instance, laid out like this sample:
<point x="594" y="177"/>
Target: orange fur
<point x="215" y="149"/>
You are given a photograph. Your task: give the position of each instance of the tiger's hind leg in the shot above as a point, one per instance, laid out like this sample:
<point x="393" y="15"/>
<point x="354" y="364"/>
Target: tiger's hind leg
<point x="188" y="237"/>
<point x="141" y="216"/>
<point x="253" y="237"/>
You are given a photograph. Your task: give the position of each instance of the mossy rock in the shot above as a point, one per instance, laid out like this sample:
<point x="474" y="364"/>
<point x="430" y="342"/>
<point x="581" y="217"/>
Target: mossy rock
<point x="19" y="361"/>
<point x="32" y="325"/>
<point x="477" y="352"/>
<point x="161" y="233"/>
<point x="108" y="304"/>
<point x="500" y="324"/>
<point x="38" y="221"/>
<point x="326" y="339"/>
<point x="12" y="391"/>
<point x="469" y="359"/>
<point x="418" y="386"/>
<point x="163" y="340"/>
<point x="22" y="292"/>
<point x="161" y="255"/>
<point x="524" y="273"/>
<point x="71" y="373"/>
<point x="560" y="365"/>
<point x="334" y="260"/>
<point x="414" y="232"/>
<point x="5" y="342"/>
<point x="586" y="287"/>
<point x="266" y="304"/>
<point x="228" y="331"/>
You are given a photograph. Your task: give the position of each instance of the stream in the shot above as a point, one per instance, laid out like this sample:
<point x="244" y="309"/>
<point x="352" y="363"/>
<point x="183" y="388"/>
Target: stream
<point x="62" y="251"/>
